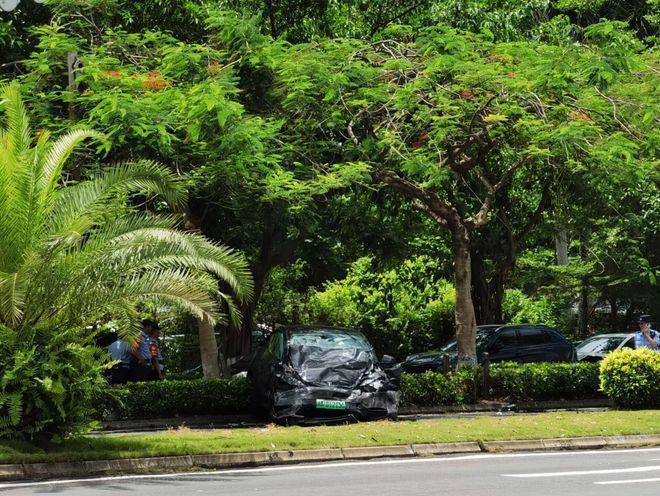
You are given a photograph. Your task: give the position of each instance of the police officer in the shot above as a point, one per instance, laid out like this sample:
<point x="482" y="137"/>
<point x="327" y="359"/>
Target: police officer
<point x="646" y="337"/>
<point x="145" y="365"/>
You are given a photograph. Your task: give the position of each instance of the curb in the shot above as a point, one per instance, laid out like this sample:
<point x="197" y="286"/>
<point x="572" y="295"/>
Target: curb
<point x="34" y="471"/>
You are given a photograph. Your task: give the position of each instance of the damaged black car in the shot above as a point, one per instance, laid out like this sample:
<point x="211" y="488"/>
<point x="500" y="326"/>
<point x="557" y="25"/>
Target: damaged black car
<point x="320" y="374"/>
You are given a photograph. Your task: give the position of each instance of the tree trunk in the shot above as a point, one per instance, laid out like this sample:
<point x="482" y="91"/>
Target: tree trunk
<point x="488" y="295"/>
<point x="561" y="247"/>
<point x="466" y="324"/>
<point x="583" y="306"/>
<point x="208" y="349"/>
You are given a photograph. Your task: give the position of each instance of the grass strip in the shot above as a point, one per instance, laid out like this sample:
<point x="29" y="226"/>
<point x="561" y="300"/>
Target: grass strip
<point x="271" y="438"/>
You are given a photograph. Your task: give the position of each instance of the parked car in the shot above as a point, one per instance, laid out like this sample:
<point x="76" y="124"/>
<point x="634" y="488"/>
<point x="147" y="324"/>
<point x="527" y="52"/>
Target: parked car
<point x="595" y="348"/>
<point x="504" y="343"/>
<point x="309" y="374"/>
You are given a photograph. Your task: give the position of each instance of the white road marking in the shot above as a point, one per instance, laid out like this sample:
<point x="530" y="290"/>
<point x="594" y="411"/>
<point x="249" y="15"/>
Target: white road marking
<point x="630" y="481"/>
<point x="282" y="468"/>
<point x="585" y="472"/>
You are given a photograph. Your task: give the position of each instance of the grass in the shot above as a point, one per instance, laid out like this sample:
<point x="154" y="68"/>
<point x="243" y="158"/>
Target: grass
<point x="185" y="441"/>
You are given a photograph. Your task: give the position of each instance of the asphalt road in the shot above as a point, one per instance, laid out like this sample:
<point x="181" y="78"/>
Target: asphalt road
<point x="573" y="473"/>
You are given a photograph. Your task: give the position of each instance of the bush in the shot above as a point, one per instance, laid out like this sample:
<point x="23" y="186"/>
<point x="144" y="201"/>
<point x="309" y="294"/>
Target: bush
<point x="435" y="389"/>
<point x="510" y="381"/>
<point x="48" y="383"/>
<point x="173" y="398"/>
<point x="544" y="381"/>
<point x="404" y="310"/>
<point x="631" y="378"/>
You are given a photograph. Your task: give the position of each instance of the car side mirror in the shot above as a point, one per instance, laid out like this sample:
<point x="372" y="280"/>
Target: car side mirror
<point x="387" y="362"/>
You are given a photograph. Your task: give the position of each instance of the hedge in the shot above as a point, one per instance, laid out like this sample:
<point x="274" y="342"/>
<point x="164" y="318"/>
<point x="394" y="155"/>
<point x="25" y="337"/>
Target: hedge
<point x="174" y="398"/>
<point x="434" y="388"/>
<point x="509" y="381"/>
<point x="544" y="381"/>
<point x="631" y="378"/>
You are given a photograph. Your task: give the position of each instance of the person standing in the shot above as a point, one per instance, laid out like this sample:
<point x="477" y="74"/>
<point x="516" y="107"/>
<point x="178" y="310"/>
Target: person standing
<point x="646" y="337"/>
<point x="120" y="351"/>
<point x="143" y="367"/>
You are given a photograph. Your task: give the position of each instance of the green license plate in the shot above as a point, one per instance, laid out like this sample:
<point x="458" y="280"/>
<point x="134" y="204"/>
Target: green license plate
<point x="331" y="404"/>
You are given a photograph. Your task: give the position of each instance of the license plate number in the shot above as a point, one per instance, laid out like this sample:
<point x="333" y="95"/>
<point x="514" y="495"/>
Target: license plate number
<point x="331" y="405"/>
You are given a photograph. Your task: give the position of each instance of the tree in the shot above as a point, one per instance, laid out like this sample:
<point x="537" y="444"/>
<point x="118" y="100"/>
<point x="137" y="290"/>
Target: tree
<point x="455" y="123"/>
<point x="71" y="253"/>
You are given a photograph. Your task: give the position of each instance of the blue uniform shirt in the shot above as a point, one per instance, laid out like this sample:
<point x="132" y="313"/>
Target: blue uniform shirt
<point x="120" y="350"/>
<point x="642" y="342"/>
<point x="142" y="346"/>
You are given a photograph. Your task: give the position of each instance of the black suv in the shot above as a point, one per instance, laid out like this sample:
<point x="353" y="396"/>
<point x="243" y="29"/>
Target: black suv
<point x="520" y="343"/>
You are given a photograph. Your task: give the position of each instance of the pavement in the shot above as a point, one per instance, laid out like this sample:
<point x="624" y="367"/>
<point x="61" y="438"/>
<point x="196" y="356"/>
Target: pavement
<point x="566" y="473"/>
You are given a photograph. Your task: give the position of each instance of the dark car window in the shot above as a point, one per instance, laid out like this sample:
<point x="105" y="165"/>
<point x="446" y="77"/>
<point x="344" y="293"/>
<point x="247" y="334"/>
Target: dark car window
<point x="276" y="345"/>
<point x="505" y="338"/>
<point x="630" y="343"/>
<point x="531" y="336"/>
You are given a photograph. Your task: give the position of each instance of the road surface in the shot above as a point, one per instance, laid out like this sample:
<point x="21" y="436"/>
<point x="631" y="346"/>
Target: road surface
<point x="569" y="473"/>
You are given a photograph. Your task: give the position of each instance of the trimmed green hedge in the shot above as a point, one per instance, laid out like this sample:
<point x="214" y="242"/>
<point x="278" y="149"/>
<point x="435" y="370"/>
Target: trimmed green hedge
<point x="435" y="389"/>
<point x="175" y="398"/>
<point x="544" y="381"/>
<point x="509" y="381"/>
<point x="631" y="378"/>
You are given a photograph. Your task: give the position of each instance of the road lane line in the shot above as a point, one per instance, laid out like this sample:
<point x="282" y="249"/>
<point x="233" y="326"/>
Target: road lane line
<point x="585" y="472"/>
<point x="630" y="481"/>
<point x="326" y="465"/>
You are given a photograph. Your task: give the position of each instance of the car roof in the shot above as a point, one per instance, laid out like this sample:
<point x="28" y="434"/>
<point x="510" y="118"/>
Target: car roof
<point x="490" y="327"/>
<point x="612" y="335"/>
<point x="303" y="328"/>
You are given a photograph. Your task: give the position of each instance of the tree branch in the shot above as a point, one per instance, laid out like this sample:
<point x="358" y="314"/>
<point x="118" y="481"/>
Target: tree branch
<point x="426" y="201"/>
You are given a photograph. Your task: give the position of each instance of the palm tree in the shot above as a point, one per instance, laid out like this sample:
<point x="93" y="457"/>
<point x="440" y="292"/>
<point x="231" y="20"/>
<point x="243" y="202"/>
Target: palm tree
<point x="71" y="253"/>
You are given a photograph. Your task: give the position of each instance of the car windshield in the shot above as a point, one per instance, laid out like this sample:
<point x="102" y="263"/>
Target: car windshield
<point x="328" y="339"/>
<point x="599" y="345"/>
<point x="483" y="336"/>
<point x="327" y="356"/>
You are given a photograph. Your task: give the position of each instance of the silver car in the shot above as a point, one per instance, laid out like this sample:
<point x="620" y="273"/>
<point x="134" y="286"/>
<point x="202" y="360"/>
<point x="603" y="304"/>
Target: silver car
<point x="595" y="348"/>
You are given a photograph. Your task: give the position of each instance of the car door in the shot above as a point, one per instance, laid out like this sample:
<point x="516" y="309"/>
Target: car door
<point x="264" y="365"/>
<point x="628" y="343"/>
<point x="504" y="346"/>
<point x="534" y="345"/>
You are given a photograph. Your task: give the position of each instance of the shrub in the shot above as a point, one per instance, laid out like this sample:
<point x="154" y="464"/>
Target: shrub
<point x="544" y="381"/>
<point x="631" y="378"/>
<point x="173" y="398"/>
<point x="519" y="308"/>
<point x="403" y="310"/>
<point x="435" y="389"/>
<point x="48" y="382"/>
<point x="511" y="381"/>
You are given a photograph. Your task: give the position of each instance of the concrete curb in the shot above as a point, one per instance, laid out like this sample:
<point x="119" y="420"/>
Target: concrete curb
<point x="35" y="471"/>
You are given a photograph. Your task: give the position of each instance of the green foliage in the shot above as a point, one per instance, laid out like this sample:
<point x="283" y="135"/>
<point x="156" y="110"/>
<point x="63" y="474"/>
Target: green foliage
<point x="402" y="310"/>
<point x="73" y="251"/>
<point x="508" y="381"/>
<point x="544" y="381"/>
<point x="435" y="389"/>
<point x="173" y="398"/>
<point x="48" y="382"/>
<point x="518" y="308"/>
<point x="630" y="378"/>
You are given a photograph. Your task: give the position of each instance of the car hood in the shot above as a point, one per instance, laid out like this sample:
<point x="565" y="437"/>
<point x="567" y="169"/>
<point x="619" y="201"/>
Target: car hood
<point x="342" y="368"/>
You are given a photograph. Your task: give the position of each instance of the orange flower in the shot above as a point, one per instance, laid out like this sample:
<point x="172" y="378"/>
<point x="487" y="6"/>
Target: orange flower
<point x="579" y="116"/>
<point x="511" y="75"/>
<point x="214" y="67"/>
<point x="467" y="94"/>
